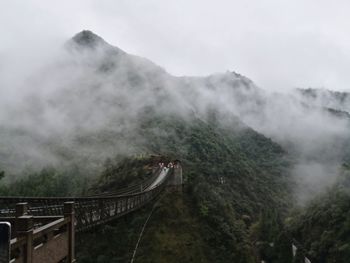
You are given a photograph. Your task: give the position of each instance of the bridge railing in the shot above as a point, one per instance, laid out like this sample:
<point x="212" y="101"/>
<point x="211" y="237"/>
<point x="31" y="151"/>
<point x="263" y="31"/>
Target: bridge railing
<point x="132" y="188"/>
<point x="53" y="205"/>
<point x="96" y="211"/>
<point x="90" y="211"/>
<point x="44" y="228"/>
<point x="52" y="242"/>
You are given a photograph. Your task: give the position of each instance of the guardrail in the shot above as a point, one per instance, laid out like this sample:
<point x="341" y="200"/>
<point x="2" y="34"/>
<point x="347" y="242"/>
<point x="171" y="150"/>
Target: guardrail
<point x="52" y="242"/>
<point x="90" y="211"/>
<point x="44" y="230"/>
<point x="136" y="188"/>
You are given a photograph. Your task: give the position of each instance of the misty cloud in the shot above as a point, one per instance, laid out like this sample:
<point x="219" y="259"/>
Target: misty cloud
<point x="280" y="44"/>
<point x="82" y="101"/>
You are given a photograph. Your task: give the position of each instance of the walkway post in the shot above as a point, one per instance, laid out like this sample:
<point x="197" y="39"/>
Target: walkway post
<point x="69" y="213"/>
<point x="25" y="229"/>
<point x="21" y="210"/>
<point x="101" y="209"/>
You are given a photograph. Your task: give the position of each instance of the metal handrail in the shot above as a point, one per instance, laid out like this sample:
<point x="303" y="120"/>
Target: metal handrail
<point x="90" y="211"/>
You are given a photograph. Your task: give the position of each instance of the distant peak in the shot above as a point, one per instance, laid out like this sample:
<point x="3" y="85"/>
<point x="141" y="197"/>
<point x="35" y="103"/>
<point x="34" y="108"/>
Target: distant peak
<point x="88" y="38"/>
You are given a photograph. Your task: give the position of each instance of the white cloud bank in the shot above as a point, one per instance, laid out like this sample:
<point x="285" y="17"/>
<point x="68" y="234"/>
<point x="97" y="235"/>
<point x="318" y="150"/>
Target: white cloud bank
<point x="279" y="44"/>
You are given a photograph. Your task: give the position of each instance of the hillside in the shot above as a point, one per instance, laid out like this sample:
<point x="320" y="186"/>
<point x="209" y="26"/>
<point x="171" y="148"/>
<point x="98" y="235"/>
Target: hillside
<point x="253" y="159"/>
<point x="336" y="100"/>
<point x="323" y="225"/>
<point x="232" y="178"/>
<point x="85" y="105"/>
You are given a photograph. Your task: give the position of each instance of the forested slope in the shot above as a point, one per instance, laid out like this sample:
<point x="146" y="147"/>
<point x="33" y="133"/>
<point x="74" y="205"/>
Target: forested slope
<point x="231" y="177"/>
<point x="323" y="226"/>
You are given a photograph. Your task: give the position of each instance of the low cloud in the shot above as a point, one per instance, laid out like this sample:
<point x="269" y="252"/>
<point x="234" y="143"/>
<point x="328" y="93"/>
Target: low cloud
<point x="66" y="105"/>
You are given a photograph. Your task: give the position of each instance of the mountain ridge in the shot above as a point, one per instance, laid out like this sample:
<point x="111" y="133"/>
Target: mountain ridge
<point x="88" y="38"/>
<point x="249" y="155"/>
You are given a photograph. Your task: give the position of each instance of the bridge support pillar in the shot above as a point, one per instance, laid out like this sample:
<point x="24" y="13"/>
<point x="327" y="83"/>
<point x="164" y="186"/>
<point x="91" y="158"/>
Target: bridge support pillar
<point x="69" y="213"/>
<point x="176" y="180"/>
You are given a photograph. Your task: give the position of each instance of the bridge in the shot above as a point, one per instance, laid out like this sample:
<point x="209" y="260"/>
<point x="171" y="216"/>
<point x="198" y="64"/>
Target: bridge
<point x="43" y="228"/>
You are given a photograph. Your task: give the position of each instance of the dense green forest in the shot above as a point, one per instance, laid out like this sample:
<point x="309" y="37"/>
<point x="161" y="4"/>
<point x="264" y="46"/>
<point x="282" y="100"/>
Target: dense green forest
<point x="49" y="181"/>
<point x="233" y="185"/>
<point x="323" y="226"/>
<point x="237" y="204"/>
<point x="99" y="130"/>
<point x="234" y="179"/>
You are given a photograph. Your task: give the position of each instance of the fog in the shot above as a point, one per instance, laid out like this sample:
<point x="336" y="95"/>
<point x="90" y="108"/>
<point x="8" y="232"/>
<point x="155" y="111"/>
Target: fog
<point x="62" y="102"/>
<point x="279" y="44"/>
<point x="316" y="137"/>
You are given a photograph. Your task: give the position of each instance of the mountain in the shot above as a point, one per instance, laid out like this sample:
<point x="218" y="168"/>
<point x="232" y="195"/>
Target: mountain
<point x="232" y="177"/>
<point x="250" y="156"/>
<point x="87" y="39"/>
<point x="83" y="104"/>
<point x="323" y="225"/>
<point x="87" y="102"/>
<point x="336" y="100"/>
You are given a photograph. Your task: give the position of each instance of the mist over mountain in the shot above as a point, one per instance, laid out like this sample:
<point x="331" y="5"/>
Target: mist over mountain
<point x="255" y="162"/>
<point x="85" y="104"/>
<point x="326" y="98"/>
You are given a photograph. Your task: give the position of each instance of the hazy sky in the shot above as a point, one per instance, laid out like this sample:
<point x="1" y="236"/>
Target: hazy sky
<point x="279" y="44"/>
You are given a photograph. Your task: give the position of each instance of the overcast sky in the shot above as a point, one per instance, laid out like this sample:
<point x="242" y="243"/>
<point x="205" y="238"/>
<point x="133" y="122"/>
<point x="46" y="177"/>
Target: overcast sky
<point x="279" y="44"/>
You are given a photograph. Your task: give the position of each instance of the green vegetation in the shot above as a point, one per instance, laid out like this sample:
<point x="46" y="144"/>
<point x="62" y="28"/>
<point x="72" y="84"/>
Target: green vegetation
<point x="48" y="182"/>
<point x="235" y="200"/>
<point x="123" y="172"/>
<point x="173" y="234"/>
<point x="235" y="206"/>
<point x="233" y="177"/>
<point x="324" y="225"/>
